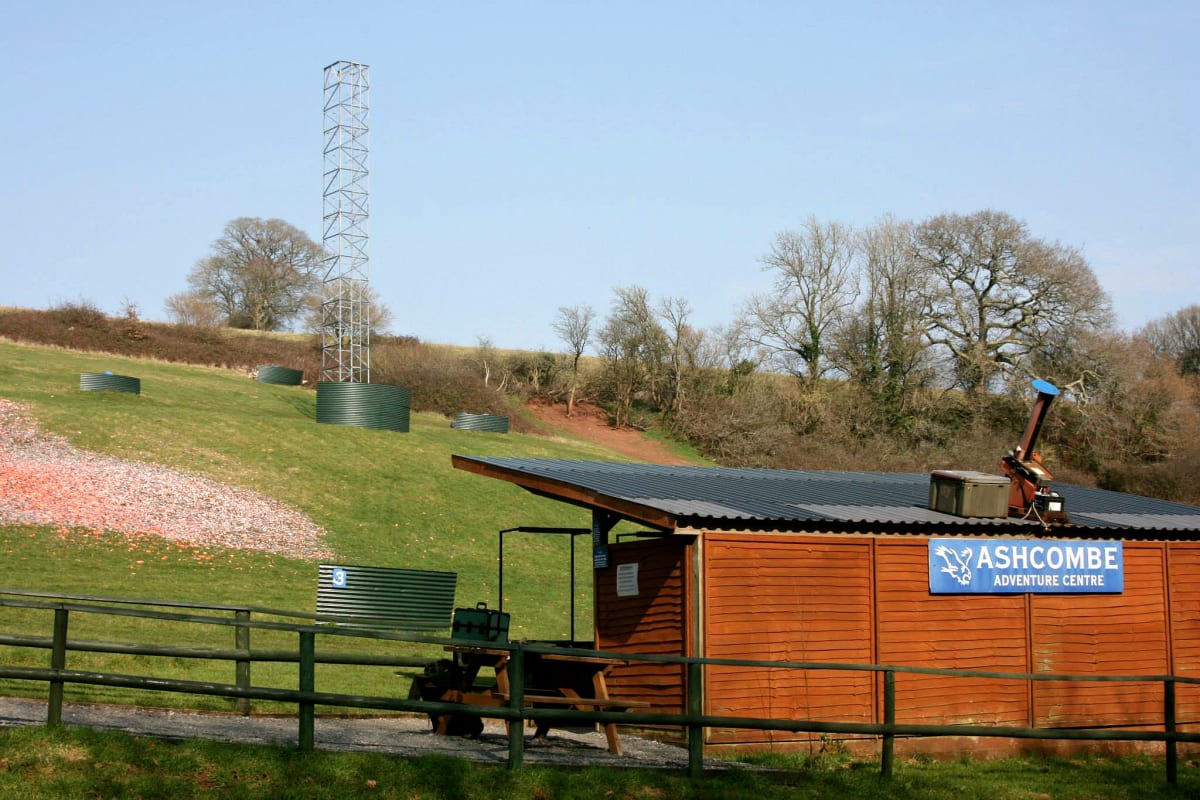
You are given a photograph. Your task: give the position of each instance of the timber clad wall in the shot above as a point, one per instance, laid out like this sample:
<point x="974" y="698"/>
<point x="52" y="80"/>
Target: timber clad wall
<point x="1185" y="626"/>
<point x="978" y="632"/>
<point x="1116" y="634"/>
<point x="653" y="622"/>
<point x="866" y="600"/>
<point x="784" y="598"/>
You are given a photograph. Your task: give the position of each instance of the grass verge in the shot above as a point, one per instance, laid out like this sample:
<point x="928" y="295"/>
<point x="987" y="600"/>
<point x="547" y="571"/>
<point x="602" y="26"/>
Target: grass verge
<point x="61" y="763"/>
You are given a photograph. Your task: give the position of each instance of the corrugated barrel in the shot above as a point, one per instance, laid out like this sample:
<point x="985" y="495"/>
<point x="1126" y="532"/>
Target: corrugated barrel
<point x="108" y="382"/>
<point x="480" y="422"/>
<point x="407" y="599"/>
<point x="367" y="405"/>
<point x="280" y="376"/>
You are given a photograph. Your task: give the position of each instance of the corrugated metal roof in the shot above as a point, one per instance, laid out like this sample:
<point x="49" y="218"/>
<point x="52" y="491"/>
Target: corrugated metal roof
<point x="721" y="496"/>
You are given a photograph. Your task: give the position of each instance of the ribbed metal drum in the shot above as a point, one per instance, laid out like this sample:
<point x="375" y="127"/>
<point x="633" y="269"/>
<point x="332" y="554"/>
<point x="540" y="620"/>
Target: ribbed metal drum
<point x="367" y="405"/>
<point x="408" y="599"/>
<point x="108" y="382"/>
<point x="280" y="376"/>
<point x="490" y="423"/>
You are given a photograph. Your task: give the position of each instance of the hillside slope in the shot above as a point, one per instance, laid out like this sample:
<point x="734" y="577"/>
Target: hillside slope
<point x="383" y="498"/>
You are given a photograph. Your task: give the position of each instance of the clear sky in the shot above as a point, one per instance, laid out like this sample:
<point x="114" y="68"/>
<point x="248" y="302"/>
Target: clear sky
<point x="531" y="155"/>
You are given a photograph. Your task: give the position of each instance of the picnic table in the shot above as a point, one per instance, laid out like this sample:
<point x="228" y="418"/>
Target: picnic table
<point x="551" y="679"/>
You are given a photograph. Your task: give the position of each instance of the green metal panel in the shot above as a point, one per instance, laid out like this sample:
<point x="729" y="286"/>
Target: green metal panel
<point x="367" y="405"/>
<point x="407" y="599"/>
<point x="480" y="422"/>
<point x="106" y="381"/>
<point x="280" y="376"/>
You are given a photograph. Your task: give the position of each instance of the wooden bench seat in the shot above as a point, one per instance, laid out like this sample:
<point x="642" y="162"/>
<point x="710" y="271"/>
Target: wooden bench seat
<point x="534" y="699"/>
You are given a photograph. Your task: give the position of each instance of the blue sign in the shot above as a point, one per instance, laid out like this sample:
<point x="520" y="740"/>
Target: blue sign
<point x="339" y="578"/>
<point x="1017" y="566"/>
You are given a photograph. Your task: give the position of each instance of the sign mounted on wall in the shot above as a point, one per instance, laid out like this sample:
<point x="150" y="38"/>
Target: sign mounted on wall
<point x="1016" y="566"/>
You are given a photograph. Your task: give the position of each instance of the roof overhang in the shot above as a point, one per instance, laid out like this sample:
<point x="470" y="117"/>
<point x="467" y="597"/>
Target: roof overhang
<point x="567" y="492"/>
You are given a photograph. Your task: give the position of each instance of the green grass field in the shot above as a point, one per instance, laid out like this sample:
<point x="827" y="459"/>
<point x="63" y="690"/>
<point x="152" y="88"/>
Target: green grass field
<point x="386" y="498"/>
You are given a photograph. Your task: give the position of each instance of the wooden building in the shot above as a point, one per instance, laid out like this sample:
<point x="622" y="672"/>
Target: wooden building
<point x="857" y="568"/>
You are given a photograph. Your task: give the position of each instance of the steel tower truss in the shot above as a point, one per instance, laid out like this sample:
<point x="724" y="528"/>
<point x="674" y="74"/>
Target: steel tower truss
<point x="346" y="313"/>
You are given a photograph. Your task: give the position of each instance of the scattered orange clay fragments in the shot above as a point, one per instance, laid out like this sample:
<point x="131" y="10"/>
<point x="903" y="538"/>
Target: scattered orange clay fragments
<point x="44" y="480"/>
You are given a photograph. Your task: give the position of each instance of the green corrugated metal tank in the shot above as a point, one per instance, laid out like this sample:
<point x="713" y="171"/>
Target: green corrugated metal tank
<point x="366" y="405"/>
<point x="406" y="599"/>
<point x="490" y="423"/>
<point x="280" y="376"/>
<point x="108" y="382"/>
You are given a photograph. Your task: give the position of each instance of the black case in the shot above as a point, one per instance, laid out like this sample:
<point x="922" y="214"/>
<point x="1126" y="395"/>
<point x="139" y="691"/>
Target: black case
<point x="480" y="624"/>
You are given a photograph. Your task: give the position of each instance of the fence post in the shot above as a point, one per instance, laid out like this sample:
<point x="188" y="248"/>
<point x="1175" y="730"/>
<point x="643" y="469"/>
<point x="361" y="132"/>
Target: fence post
<point x="695" y="710"/>
<point x="58" y="661"/>
<point x="887" y="754"/>
<point x="1169" y="725"/>
<point x="308" y="682"/>
<point x="241" y="641"/>
<point x="516" y="700"/>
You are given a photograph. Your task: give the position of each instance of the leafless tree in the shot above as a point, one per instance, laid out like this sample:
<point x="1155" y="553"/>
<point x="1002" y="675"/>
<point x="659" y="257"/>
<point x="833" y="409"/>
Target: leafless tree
<point x="683" y="346"/>
<point x="191" y="308"/>
<point x="260" y="273"/>
<point x="574" y="326"/>
<point x="882" y="345"/>
<point x="378" y="313"/>
<point x="815" y="284"/>
<point x="997" y="295"/>
<point x="632" y="344"/>
<point x="1177" y="336"/>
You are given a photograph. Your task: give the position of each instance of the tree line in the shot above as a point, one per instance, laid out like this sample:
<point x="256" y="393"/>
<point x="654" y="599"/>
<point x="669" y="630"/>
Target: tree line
<point x="906" y="342"/>
<point x="899" y="344"/>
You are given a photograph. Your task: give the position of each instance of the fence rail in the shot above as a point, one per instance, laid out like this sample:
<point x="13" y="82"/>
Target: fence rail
<point x="306" y="697"/>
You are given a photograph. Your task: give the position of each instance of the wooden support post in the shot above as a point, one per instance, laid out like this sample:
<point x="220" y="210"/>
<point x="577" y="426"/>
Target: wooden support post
<point x="1170" y="727"/>
<point x="887" y="754"/>
<point x="308" y="681"/>
<point x="516" y="700"/>
<point x="58" y="661"/>
<point x="695" y="710"/>
<point x="241" y="641"/>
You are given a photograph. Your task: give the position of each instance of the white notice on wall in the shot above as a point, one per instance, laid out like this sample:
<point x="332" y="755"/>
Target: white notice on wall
<point x="627" y="580"/>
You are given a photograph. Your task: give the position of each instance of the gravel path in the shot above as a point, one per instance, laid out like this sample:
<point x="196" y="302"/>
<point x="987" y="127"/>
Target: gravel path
<point x="404" y="736"/>
<point x="44" y="480"/>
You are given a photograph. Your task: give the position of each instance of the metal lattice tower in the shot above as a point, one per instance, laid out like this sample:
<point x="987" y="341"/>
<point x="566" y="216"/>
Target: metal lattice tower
<point x="346" y="322"/>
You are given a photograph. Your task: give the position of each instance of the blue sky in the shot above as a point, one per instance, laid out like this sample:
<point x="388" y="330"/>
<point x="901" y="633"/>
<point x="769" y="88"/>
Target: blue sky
<point x="528" y="155"/>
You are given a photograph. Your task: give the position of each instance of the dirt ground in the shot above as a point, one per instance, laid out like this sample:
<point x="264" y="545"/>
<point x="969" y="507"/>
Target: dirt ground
<point x="591" y="423"/>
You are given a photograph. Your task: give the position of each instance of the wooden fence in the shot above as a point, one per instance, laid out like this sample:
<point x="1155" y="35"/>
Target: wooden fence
<point x="307" y="628"/>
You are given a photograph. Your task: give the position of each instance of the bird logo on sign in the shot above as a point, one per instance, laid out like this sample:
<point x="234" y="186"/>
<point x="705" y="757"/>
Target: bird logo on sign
<point x="960" y="568"/>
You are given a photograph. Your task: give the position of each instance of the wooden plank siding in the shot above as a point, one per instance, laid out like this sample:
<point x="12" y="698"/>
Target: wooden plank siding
<point x="1104" y="634"/>
<point x="976" y="632"/>
<point x="653" y="623"/>
<point x="787" y="598"/>
<point x="1184" y="587"/>
<point x="860" y="599"/>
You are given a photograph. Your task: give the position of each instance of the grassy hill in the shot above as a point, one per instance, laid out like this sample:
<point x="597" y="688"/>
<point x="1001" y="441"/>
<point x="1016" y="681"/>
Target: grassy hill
<point x="387" y="499"/>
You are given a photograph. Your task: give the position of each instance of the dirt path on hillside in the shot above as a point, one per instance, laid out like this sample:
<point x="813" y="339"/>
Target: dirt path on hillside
<point x="591" y="423"/>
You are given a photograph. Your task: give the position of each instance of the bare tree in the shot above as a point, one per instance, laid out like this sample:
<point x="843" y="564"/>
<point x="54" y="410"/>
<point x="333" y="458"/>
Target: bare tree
<point x="882" y="345"/>
<point x="1177" y="336"/>
<point x="574" y="326"/>
<point x="683" y="345"/>
<point x="377" y="311"/>
<point x="191" y="308"/>
<point x="997" y="295"/>
<point x="260" y="273"/>
<point x="814" y="285"/>
<point x="632" y="344"/>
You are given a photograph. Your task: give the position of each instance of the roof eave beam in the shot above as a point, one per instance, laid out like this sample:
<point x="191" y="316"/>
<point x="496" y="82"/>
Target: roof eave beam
<point x="570" y="493"/>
